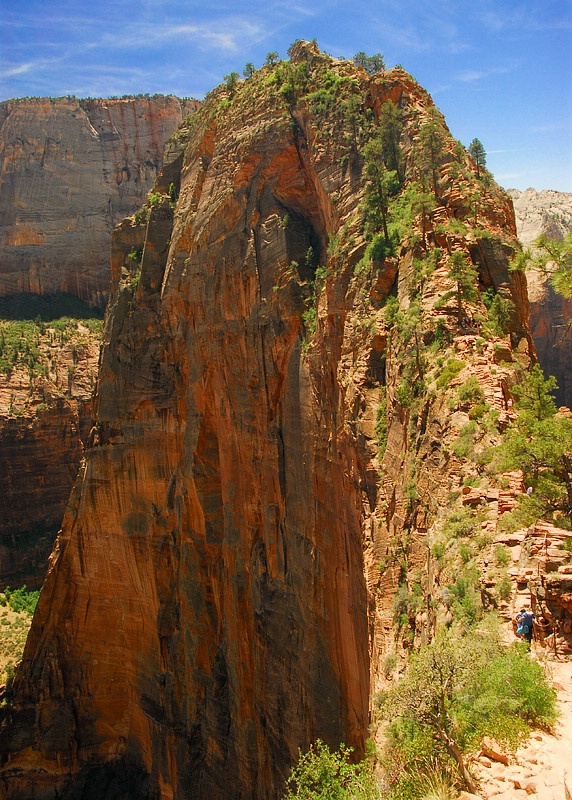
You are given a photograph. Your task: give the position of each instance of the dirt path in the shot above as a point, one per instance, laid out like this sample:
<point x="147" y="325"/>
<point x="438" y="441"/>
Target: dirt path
<point x="542" y="768"/>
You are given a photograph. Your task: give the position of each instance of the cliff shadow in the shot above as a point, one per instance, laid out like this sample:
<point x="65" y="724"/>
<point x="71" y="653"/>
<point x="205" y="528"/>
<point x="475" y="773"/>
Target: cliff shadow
<point x="46" y="307"/>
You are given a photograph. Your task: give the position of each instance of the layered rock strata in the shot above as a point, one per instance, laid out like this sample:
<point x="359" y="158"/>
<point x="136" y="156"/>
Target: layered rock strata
<point x="69" y="171"/>
<point x="217" y="597"/>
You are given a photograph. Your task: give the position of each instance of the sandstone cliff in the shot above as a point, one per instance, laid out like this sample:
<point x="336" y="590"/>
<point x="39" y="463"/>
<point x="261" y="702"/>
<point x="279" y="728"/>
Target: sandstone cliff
<point x="69" y="171"/>
<point x="278" y="412"/>
<point x="48" y="369"/>
<point x="548" y="213"/>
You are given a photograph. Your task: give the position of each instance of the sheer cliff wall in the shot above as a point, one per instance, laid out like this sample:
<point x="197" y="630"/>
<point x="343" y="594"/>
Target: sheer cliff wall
<point x="69" y="171"/>
<point x="221" y="592"/>
<point x="548" y="213"/>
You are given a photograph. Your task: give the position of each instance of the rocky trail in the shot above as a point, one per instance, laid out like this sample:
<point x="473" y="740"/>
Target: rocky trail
<point x="542" y="767"/>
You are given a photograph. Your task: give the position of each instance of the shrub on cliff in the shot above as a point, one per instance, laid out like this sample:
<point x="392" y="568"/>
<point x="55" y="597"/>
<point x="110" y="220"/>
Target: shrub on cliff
<point x="323" y="774"/>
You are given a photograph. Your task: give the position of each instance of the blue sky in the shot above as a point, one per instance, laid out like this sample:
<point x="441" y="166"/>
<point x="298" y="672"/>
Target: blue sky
<point x="500" y="70"/>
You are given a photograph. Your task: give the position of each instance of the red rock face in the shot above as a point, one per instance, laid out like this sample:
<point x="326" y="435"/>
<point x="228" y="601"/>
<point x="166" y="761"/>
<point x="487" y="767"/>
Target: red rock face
<point x="40" y="459"/>
<point x="212" y="604"/>
<point x="69" y="171"/>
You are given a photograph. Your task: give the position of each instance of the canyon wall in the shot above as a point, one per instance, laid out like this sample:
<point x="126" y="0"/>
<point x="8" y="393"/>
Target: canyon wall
<point x="272" y="448"/>
<point x="47" y="382"/>
<point x="69" y="171"/>
<point x="548" y="213"/>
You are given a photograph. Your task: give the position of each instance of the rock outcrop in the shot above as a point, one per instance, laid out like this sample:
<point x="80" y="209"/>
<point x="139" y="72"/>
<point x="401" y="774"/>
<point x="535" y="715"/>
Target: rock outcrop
<point x="548" y="213"/>
<point x="271" y="446"/>
<point x="69" y="171"/>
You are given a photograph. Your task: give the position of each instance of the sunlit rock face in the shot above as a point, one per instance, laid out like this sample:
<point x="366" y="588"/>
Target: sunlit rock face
<point x="548" y="213"/>
<point x="216" y="598"/>
<point x="69" y="171"/>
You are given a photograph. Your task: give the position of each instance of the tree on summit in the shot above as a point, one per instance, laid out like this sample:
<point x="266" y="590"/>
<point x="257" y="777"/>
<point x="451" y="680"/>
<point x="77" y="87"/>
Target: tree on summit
<point x="479" y="156"/>
<point x="371" y="64"/>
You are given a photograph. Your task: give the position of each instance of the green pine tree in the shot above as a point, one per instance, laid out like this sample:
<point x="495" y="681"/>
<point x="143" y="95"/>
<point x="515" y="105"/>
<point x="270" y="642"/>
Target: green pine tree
<point x="479" y="156"/>
<point x="371" y="64"/>
<point x="539" y="442"/>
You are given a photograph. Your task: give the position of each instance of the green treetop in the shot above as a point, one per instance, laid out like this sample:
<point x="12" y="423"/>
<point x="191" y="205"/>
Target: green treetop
<point x="371" y="64"/>
<point x="465" y="277"/>
<point x="479" y="156"/>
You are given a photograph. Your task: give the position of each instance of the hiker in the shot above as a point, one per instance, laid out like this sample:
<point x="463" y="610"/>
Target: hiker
<point x="524" y="622"/>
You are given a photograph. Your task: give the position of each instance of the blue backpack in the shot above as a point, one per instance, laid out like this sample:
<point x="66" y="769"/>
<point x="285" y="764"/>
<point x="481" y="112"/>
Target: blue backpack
<point x="525" y="624"/>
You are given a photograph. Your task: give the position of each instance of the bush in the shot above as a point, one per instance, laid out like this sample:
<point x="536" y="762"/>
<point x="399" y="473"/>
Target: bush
<point x="460" y="522"/>
<point x="322" y="774"/>
<point x="450" y="371"/>
<point x="501" y="555"/>
<point x="381" y="426"/>
<point x="504" y="586"/>
<point x="470" y="391"/>
<point x="21" y="599"/>
<point x="464" y="443"/>
<point x="309" y="318"/>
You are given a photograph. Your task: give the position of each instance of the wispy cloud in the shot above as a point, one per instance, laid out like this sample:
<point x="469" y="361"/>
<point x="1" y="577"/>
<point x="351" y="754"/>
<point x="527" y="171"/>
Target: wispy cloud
<point x="21" y="69"/>
<point x="507" y="150"/>
<point x="509" y="176"/>
<point x="229" y="35"/>
<point x="519" y="19"/>
<point x="550" y="127"/>
<point x="29" y="67"/>
<point x="472" y="75"/>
